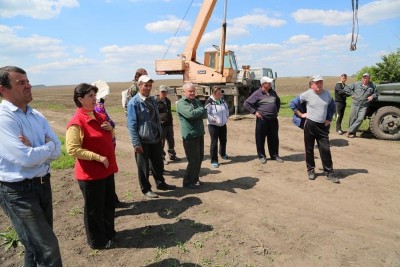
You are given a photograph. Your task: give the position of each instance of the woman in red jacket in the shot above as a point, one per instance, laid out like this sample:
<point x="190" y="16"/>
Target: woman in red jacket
<point x="89" y="140"/>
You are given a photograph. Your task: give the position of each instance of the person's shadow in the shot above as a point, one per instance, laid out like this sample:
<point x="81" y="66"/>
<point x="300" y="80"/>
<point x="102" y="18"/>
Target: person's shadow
<point x="345" y="173"/>
<point x="166" y="208"/>
<point x="230" y="185"/>
<point x="339" y="142"/>
<point x="162" y="235"/>
<point x="172" y="262"/>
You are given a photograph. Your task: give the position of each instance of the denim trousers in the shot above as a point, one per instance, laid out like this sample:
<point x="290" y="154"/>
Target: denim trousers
<point x="168" y="136"/>
<point x="217" y="133"/>
<point x="30" y="209"/>
<point x="150" y="159"/>
<point x="194" y="151"/>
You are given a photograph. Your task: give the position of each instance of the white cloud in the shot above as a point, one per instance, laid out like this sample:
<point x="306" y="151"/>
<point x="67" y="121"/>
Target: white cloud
<point x="298" y="39"/>
<point x="367" y="14"/>
<point x="33" y="45"/>
<point x="37" y="9"/>
<point x="171" y="24"/>
<point x="258" y="20"/>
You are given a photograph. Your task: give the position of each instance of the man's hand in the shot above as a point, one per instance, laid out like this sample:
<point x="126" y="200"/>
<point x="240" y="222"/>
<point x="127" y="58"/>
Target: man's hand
<point x="327" y="122"/>
<point x="139" y="149"/>
<point x="258" y="115"/>
<point x="370" y="98"/>
<point x="25" y="140"/>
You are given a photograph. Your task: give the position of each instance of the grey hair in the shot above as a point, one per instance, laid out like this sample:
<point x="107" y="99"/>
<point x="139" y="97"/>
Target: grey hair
<point x="188" y="86"/>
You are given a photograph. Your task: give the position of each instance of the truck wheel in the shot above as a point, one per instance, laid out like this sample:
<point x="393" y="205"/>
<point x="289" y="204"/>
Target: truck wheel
<point x="242" y="109"/>
<point x="385" y="123"/>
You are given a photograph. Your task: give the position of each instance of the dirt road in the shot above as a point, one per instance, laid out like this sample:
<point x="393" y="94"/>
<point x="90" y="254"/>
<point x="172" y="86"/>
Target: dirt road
<point x="246" y="214"/>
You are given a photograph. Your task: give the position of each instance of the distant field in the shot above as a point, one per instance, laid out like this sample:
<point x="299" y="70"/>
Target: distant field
<point x="284" y="85"/>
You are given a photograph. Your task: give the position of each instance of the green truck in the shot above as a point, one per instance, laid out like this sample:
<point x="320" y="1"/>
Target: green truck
<point x="384" y="112"/>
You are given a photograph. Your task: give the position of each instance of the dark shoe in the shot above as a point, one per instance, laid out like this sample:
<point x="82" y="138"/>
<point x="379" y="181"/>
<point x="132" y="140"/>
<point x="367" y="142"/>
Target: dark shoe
<point x="193" y="186"/>
<point x="151" y="194"/>
<point x="174" y="158"/>
<point x="225" y="156"/>
<point x="311" y="175"/>
<point x="166" y="187"/>
<point x="332" y="177"/>
<point x="263" y="160"/>
<point x="340" y="132"/>
<point x="278" y="159"/>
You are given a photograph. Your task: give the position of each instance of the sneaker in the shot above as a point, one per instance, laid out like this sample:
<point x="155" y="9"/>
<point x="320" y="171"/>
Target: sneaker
<point x="340" y="132"/>
<point x="311" y="175"/>
<point x="174" y="158"/>
<point x="165" y="187"/>
<point x="351" y="135"/>
<point x="278" y="159"/>
<point x="214" y="164"/>
<point x="263" y="160"/>
<point x="332" y="177"/>
<point x="225" y="157"/>
<point x="151" y="194"/>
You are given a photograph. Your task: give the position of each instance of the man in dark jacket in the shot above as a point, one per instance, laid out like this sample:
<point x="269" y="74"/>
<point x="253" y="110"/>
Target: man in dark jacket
<point x="265" y="104"/>
<point x="164" y="109"/>
<point x="340" y="102"/>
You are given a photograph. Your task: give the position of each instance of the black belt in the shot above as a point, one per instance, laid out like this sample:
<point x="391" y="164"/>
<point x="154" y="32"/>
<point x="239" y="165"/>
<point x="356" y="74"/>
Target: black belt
<point x="35" y="180"/>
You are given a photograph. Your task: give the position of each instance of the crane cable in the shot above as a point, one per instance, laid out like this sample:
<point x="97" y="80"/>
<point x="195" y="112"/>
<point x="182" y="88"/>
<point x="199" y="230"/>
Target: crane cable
<point x="176" y="32"/>
<point x="353" y="44"/>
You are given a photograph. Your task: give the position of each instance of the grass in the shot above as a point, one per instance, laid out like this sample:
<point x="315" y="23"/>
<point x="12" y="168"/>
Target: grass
<point x="64" y="161"/>
<point x="285" y="111"/>
<point x="10" y="239"/>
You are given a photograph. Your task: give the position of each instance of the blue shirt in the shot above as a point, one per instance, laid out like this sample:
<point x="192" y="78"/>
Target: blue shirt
<point x="18" y="161"/>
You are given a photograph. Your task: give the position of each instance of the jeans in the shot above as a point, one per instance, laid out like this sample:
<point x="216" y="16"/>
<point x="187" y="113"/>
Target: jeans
<point x="194" y="150"/>
<point x="340" y="108"/>
<point x="168" y="135"/>
<point x="217" y="133"/>
<point x="150" y="159"/>
<point x="30" y="209"/>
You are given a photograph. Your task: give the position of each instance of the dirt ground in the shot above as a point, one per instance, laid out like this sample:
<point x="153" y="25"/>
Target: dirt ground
<point x="246" y="214"/>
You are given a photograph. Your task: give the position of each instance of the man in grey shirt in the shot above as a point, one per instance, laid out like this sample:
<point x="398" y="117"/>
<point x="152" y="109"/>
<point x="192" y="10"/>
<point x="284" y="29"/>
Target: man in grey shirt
<point x="362" y="93"/>
<point x="320" y="110"/>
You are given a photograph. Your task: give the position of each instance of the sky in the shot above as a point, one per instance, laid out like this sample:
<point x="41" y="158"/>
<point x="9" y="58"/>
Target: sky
<point x="66" y="42"/>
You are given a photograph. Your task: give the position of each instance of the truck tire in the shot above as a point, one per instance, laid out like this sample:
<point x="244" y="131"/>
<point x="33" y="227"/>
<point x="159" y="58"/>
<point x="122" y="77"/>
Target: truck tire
<point x="385" y="123"/>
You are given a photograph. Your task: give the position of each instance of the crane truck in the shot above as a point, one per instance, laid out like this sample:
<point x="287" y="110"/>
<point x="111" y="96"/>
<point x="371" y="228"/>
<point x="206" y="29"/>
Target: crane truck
<point x="219" y="66"/>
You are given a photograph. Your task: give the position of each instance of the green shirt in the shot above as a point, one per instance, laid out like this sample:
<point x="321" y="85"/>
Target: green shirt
<point x="191" y="114"/>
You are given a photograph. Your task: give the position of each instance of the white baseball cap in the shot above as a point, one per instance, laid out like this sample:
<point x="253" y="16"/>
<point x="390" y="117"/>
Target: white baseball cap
<point x="145" y="79"/>
<point x="266" y="79"/>
<point x="317" y="78"/>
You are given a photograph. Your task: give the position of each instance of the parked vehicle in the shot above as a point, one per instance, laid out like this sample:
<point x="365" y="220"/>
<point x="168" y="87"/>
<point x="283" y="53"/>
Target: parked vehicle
<point x="384" y="112"/>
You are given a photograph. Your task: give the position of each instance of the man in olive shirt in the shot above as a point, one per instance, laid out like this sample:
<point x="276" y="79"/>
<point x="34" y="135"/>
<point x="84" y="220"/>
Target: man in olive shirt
<point x="191" y="114"/>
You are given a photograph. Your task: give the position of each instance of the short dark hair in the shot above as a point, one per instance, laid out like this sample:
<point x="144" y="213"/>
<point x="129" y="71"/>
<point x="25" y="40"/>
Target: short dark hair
<point x="139" y="72"/>
<point x="344" y="75"/>
<point x="81" y="90"/>
<point x="4" y="75"/>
